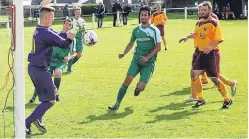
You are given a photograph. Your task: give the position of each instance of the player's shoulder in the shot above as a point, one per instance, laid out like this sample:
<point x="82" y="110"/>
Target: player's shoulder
<point x="213" y="15"/>
<point x="213" y="22"/>
<point x="136" y="28"/>
<point x="156" y="13"/>
<point x="153" y="27"/>
<point x="82" y="19"/>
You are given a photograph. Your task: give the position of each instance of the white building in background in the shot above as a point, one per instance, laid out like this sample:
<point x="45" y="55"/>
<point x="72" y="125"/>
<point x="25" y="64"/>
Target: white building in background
<point x="27" y="2"/>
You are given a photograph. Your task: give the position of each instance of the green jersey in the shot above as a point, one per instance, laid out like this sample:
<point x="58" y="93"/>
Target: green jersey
<point x="79" y="22"/>
<point x="59" y="54"/>
<point x="146" y="39"/>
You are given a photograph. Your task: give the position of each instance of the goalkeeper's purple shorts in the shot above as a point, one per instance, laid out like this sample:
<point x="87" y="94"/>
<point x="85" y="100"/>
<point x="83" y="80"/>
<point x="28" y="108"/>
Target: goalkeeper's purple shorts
<point x="44" y="86"/>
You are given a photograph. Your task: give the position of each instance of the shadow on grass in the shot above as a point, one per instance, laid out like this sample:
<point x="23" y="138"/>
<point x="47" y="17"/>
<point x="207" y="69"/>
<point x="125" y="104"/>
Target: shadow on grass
<point x="174" y="116"/>
<point x="27" y="106"/>
<point x="36" y="134"/>
<point x="31" y="106"/>
<point x="172" y="106"/>
<point x="179" y="106"/>
<point x="108" y="116"/>
<point x="184" y="91"/>
<point x="212" y="87"/>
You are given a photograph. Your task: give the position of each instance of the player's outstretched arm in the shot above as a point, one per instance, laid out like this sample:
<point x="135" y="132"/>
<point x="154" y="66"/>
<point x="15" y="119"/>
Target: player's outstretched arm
<point x="191" y="35"/>
<point x="155" y="51"/>
<point x="58" y="41"/>
<point x="127" y="49"/>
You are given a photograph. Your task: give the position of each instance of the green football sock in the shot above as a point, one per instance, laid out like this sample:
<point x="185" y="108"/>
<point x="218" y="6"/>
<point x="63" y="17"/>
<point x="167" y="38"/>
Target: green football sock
<point x="34" y="96"/>
<point x="121" y="93"/>
<point x="75" y="59"/>
<point x="69" y="65"/>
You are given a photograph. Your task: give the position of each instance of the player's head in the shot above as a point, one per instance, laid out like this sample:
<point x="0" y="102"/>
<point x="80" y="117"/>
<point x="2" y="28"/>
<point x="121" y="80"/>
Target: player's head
<point x="206" y="9"/>
<point x="145" y="14"/>
<point x="67" y="24"/>
<point x="77" y="11"/>
<point x="47" y="16"/>
<point x="158" y="7"/>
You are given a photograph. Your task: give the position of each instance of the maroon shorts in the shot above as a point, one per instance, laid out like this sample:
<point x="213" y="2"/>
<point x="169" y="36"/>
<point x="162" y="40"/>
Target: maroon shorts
<point x="161" y="28"/>
<point x="209" y="62"/>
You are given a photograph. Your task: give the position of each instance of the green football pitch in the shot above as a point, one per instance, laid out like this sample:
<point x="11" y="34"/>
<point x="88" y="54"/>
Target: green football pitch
<point x="159" y="111"/>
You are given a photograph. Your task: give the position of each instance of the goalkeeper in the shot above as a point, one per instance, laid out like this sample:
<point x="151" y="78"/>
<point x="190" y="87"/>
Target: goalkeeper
<point x="60" y="57"/>
<point x="79" y="22"/>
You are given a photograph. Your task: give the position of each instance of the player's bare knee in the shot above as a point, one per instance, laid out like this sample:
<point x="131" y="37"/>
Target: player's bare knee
<point x="141" y="86"/>
<point x="79" y="54"/>
<point x="128" y="80"/>
<point x="215" y="81"/>
<point x="58" y="73"/>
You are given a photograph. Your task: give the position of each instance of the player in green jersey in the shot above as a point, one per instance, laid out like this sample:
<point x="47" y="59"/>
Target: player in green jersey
<point x="147" y="37"/>
<point x="77" y="21"/>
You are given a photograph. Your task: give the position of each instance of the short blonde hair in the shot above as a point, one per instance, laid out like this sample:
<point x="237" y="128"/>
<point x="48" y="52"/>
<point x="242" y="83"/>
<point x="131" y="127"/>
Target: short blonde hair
<point x="208" y="4"/>
<point x="77" y="8"/>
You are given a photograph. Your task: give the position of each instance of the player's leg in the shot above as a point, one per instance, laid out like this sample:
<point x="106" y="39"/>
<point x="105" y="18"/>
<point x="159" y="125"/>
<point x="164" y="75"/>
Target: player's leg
<point x="99" y="20"/>
<point x="197" y="69"/>
<point x="57" y="78"/>
<point x="132" y="72"/>
<point x="146" y="72"/>
<point x="32" y="100"/>
<point x="161" y="29"/>
<point x="70" y="63"/>
<point x="46" y="92"/>
<point x="193" y="96"/>
<point x="232" y="84"/>
<point x="164" y="43"/>
<point x="197" y="88"/>
<point x="114" y="19"/>
<point x="213" y="70"/>
<point x="204" y="78"/>
<point x="79" y="50"/>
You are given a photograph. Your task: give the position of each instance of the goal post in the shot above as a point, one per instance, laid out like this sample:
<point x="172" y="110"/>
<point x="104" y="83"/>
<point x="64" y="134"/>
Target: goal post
<point x="19" y="90"/>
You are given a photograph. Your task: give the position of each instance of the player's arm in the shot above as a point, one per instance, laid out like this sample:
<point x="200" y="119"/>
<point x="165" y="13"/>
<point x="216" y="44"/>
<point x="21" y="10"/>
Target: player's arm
<point x="83" y="29"/>
<point x="71" y="54"/>
<point x="129" y="45"/>
<point x="127" y="49"/>
<point x="218" y="38"/>
<point x="190" y="36"/>
<point x="165" y="18"/>
<point x="103" y="10"/>
<point x="57" y="40"/>
<point x="156" y="49"/>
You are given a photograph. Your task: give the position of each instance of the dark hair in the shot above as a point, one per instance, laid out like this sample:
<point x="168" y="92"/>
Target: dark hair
<point x="47" y="9"/>
<point x="67" y="20"/>
<point x="145" y="8"/>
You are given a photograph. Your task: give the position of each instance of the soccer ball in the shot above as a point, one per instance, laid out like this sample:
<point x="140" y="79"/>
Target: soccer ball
<point x="90" y="38"/>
